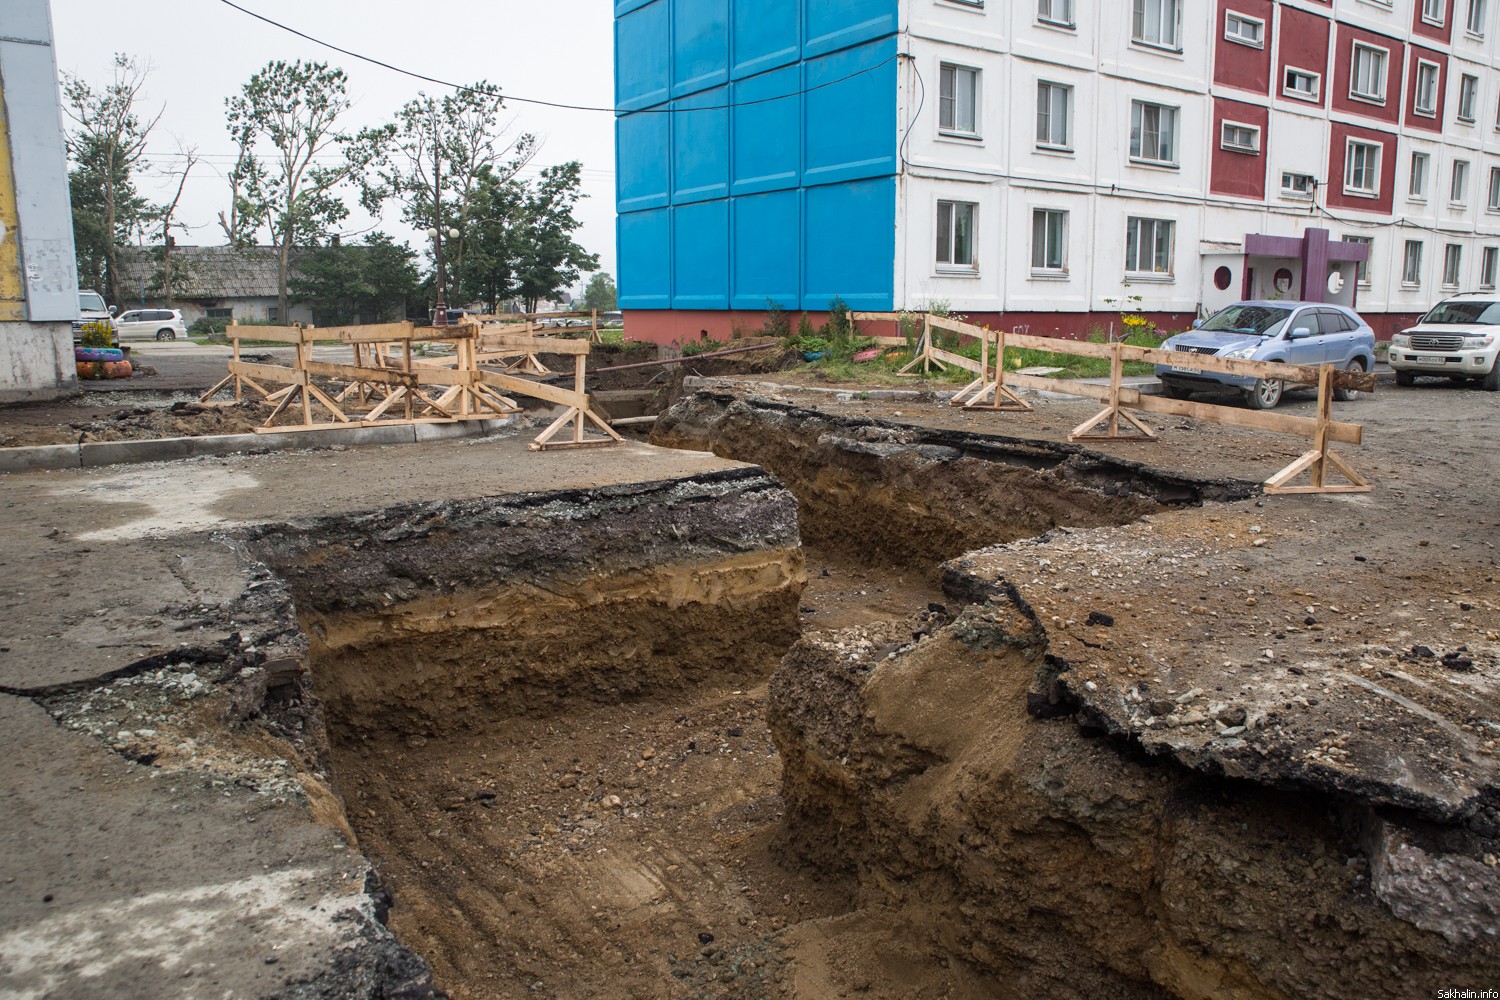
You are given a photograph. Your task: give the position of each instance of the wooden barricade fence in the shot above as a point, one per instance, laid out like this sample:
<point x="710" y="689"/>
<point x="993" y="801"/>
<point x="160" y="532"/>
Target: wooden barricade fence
<point x="385" y="374"/>
<point x="993" y="388"/>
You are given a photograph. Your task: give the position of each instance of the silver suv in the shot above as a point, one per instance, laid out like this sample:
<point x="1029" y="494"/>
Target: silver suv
<point x="1459" y="338"/>
<point x="151" y="324"/>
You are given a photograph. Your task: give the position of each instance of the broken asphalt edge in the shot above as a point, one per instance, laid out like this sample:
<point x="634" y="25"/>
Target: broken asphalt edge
<point x="98" y="453"/>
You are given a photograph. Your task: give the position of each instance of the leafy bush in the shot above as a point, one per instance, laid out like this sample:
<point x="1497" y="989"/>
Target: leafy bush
<point x="203" y="326"/>
<point x="97" y="334"/>
<point x="704" y="346"/>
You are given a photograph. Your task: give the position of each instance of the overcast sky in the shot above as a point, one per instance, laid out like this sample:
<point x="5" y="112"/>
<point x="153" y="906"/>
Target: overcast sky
<point x="202" y="51"/>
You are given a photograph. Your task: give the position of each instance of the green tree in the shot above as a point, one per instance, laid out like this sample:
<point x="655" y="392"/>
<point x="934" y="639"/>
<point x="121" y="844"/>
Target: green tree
<point x="547" y="258"/>
<point x="293" y="109"/>
<point x="371" y="282"/>
<point x="106" y="144"/>
<point x="443" y="150"/>
<point x="488" y="267"/>
<point x="600" y="292"/>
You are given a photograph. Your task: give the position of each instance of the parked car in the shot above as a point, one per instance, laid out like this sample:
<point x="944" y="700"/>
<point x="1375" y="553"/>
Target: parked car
<point x="91" y="309"/>
<point x="151" y="324"/>
<point x="1298" y="333"/>
<point x="1459" y="338"/>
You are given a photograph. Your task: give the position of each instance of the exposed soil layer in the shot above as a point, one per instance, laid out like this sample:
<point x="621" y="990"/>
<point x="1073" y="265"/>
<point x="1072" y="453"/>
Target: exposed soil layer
<point x="909" y="495"/>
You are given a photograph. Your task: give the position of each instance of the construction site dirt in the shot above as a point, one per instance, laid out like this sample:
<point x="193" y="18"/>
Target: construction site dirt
<point x="883" y="698"/>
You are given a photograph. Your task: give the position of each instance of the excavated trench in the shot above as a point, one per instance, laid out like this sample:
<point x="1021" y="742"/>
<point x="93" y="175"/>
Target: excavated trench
<point x="551" y="729"/>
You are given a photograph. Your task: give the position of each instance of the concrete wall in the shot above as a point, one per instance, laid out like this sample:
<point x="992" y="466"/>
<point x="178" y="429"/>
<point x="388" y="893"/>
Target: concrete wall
<point x="38" y="276"/>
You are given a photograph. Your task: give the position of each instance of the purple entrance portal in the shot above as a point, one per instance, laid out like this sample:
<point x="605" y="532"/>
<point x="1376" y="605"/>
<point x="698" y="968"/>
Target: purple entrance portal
<point x="1315" y="250"/>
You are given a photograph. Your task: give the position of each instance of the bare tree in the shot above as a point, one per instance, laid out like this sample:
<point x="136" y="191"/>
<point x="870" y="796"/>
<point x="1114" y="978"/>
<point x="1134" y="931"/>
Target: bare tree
<point x="107" y="143"/>
<point x="167" y="278"/>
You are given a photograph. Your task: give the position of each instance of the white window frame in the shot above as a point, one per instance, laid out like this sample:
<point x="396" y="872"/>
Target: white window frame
<point x="973" y="75"/>
<point x="1362" y="270"/>
<point x="1350" y="188"/>
<point x="1167" y="26"/>
<point x="1052" y="88"/>
<point x="1489" y="263"/>
<point x="1458" y="185"/>
<point x="949" y="266"/>
<point x="1474" y="26"/>
<point x="1453" y="265"/>
<point x="1292" y="191"/>
<point x="1468" y="98"/>
<point x="1383" y="63"/>
<point x="1434" y="19"/>
<point x="1411" y="264"/>
<point x="1046" y="269"/>
<point x="1138" y="133"/>
<point x="1135" y="228"/>
<point x="1234" y="19"/>
<point x="1252" y="148"/>
<point x="1047" y="13"/>
<point x="1314" y="95"/>
<point x="1416" y="185"/>
<point x="1493" y="205"/>
<point x="1428" y="110"/>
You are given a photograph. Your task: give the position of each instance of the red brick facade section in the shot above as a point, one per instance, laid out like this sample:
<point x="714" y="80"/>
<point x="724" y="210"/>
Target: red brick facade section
<point x="1241" y="66"/>
<point x="1438" y="33"/>
<point x="1339" y="85"/>
<point x="1242" y="175"/>
<point x="1386" y="182"/>
<point x="1414" y="120"/>
<point x="1302" y="43"/>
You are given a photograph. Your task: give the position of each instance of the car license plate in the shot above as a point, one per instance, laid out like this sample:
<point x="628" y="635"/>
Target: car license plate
<point x="1190" y="371"/>
<point x="1429" y="359"/>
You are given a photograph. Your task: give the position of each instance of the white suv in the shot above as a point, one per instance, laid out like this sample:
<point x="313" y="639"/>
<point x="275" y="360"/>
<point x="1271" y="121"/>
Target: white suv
<point x="1459" y="338"/>
<point x="149" y="324"/>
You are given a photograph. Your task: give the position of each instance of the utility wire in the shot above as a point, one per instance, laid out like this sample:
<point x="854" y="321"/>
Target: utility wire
<point x="552" y="104"/>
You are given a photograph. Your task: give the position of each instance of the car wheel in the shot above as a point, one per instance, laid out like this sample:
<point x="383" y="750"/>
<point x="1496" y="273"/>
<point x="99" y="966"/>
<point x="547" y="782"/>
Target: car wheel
<point x="166" y="334"/>
<point x="1177" y="391"/>
<point x="1345" y="395"/>
<point x="1492" y="380"/>
<point x="1265" y="394"/>
<point x="1405" y="378"/>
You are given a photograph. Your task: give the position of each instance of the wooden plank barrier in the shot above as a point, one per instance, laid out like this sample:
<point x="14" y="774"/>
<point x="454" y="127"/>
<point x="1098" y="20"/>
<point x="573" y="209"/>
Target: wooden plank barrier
<point x="993" y="388"/>
<point x="390" y="385"/>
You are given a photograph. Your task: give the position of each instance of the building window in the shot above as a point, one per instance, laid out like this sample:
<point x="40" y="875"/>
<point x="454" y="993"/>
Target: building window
<point x="1055" y="12"/>
<point x="1297" y="185"/>
<point x="1458" y="191"/>
<point x="1049" y="240"/>
<point x="1494" y="202"/>
<point x="1424" y="100"/>
<point x="958" y="100"/>
<point x="1301" y="84"/>
<point x="1432" y="11"/>
<point x="1363" y="274"/>
<point x="1367" y="75"/>
<point x="1362" y="168"/>
<point x="955" y="236"/>
<point x="1244" y="29"/>
<point x="1475" y="24"/>
<point x="1487" y="266"/>
<point x="1158" y="23"/>
<point x="1468" y="97"/>
<point x="1153" y="133"/>
<point x="1054" y="105"/>
<point x="1453" y="255"/>
<point x="1240" y="138"/>
<point x="1148" y="245"/>
<point x="1411" y="265"/>
<point x="219" y="312"/>
<point x="1417" y="189"/>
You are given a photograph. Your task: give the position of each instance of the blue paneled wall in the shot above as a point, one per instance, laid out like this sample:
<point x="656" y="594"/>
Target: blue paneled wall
<point x="757" y="159"/>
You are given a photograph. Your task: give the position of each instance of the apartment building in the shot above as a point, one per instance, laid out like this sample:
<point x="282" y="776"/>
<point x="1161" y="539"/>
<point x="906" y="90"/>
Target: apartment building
<point x="1047" y="163"/>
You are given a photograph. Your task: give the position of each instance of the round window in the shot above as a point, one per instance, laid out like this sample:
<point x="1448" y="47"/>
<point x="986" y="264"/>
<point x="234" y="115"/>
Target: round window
<point x="1222" y="277"/>
<point x="1283" y="280"/>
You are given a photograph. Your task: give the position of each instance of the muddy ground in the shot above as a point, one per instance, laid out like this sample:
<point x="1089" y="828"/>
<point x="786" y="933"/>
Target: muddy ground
<point x="642" y="848"/>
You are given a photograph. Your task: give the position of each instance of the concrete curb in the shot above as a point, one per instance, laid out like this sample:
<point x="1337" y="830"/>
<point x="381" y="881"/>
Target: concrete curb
<point x="99" y="453"/>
